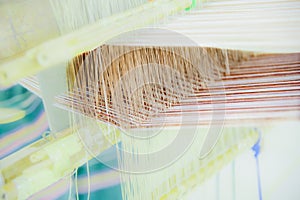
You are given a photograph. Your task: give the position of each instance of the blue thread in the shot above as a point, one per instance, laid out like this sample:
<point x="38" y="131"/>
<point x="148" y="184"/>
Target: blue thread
<point x="256" y="149"/>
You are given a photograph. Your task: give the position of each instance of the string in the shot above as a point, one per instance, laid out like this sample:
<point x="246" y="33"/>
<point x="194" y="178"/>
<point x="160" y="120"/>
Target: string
<point x="76" y="184"/>
<point x="251" y="94"/>
<point x="218" y="186"/>
<point x="131" y="105"/>
<point x="256" y="148"/>
<point x="233" y="182"/>
<point x="89" y="181"/>
<point x="109" y="108"/>
<point x="70" y="187"/>
<point x="182" y="86"/>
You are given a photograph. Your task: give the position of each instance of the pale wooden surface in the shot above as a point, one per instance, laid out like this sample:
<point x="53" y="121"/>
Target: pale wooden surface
<point x="25" y="24"/>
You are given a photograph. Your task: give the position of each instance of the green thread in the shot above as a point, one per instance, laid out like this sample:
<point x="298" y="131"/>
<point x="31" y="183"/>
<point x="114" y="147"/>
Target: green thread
<point x="193" y="5"/>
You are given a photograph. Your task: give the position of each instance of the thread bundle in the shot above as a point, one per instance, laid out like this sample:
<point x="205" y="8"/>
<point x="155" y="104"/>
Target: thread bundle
<point x="146" y="98"/>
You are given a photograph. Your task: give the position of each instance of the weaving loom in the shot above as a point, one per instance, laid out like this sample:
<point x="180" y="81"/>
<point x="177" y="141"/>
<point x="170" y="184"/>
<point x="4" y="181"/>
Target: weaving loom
<point x="157" y="96"/>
